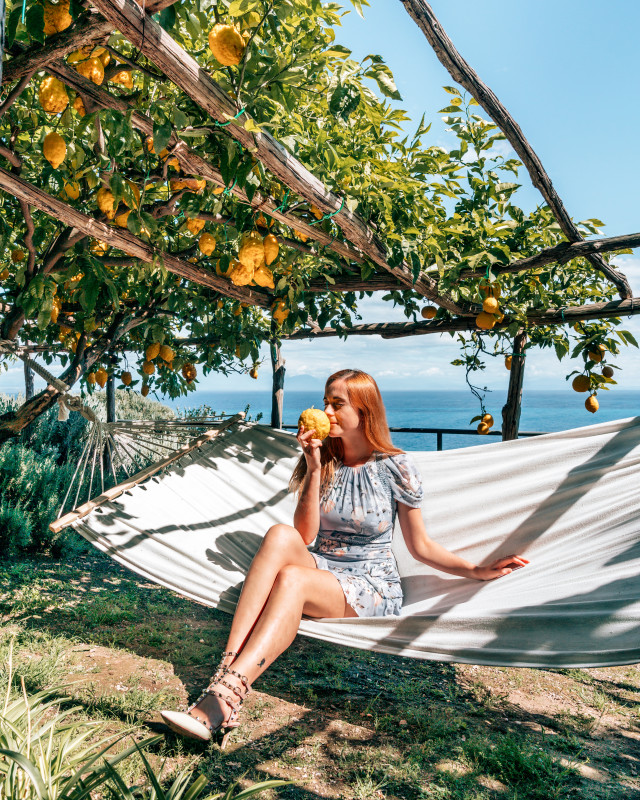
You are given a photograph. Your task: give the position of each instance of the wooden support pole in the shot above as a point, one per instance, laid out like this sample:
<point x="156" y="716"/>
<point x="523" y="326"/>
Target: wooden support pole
<point x="277" y="397"/>
<point x="513" y="406"/>
<point x="111" y="417"/>
<point x="422" y="14"/>
<point x="29" y="384"/>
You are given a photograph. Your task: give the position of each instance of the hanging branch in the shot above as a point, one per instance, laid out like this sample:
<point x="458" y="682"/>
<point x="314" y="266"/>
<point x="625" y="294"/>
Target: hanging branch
<point x="160" y="48"/>
<point x="15" y="93"/>
<point x="460" y="71"/>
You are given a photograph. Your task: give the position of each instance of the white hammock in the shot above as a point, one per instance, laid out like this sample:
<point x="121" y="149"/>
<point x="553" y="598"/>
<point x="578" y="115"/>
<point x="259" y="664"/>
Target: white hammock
<point x="569" y="501"/>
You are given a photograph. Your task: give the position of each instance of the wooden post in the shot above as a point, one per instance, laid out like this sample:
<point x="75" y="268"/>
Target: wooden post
<point x="277" y="398"/>
<point x="2" y="13"/>
<point x="511" y="409"/>
<point x="111" y="417"/>
<point x="111" y="398"/>
<point x="29" y="386"/>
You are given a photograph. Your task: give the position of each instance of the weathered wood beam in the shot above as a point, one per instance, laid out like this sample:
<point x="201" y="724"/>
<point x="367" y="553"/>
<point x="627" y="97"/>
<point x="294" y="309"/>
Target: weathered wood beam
<point x="561" y="253"/>
<point x="172" y="60"/>
<point x="126" y="241"/>
<point x="420" y="11"/>
<point x="277" y="387"/>
<point x="87" y="30"/>
<point x="554" y="316"/>
<point x="512" y="408"/>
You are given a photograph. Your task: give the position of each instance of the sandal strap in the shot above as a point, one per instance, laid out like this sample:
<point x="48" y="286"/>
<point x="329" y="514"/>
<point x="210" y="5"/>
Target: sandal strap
<point x="243" y="679"/>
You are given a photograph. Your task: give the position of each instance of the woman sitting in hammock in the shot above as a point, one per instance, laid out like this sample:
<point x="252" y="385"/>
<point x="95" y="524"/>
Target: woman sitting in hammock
<point x="350" y="488"/>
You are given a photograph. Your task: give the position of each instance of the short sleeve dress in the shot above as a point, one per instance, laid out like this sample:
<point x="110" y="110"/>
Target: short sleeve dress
<point x="357" y="517"/>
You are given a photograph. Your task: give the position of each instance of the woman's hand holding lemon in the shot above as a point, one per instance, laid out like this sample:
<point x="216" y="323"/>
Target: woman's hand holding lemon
<point x="313" y="427"/>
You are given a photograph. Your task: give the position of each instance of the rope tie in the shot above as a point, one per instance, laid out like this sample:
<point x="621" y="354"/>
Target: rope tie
<point x="328" y="216"/>
<point x="229" y="121"/>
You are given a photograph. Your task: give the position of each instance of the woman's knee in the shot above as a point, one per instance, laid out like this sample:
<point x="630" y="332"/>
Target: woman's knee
<point x="281" y="535"/>
<point x="291" y="577"/>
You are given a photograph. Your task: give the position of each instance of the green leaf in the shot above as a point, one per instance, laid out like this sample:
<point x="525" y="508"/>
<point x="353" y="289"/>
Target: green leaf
<point x="167" y="18"/>
<point x="32" y="771"/>
<point x="117" y="186"/>
<point x="383" y="76"/>
<point x="337" y="51"/>
<point x="161" y="135"/>
<point x="34" y="21"/>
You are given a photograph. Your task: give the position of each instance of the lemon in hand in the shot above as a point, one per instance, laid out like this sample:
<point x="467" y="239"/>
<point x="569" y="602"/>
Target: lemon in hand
<point x="316" y="420"/>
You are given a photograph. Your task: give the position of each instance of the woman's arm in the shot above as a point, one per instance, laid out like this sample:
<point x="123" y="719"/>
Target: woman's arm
<point x="424" y="549"/>
<point x="306" y="517"/>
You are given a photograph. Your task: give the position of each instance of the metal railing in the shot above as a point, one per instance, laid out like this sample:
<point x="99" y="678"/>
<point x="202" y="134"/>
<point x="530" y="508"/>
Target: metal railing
<point x="439" y="432"/>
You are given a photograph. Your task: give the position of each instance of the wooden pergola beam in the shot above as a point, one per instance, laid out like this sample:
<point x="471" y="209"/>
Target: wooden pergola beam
<point x="461" y="71"/>
<point x="553" y="316"/>
<point x="174" y="62"/>
<point x="126" y="241"/>
<point x="561" y="253"/>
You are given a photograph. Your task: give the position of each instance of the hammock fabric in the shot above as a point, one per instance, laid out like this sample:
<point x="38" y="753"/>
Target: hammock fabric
<point x="569" y="501"/>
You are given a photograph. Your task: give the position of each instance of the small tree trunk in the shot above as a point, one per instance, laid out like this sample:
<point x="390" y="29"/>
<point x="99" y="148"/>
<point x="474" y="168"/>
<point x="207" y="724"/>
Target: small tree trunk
<point x="277" y="397"/>
<point x="29" y="383"/>
<point x="511" y="410"/>
<point x="111" y="417"/>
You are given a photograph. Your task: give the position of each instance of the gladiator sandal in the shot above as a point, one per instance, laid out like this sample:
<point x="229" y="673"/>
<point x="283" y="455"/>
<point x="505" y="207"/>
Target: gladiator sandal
<point x="185" y="724"/>
<point x="226" y="727"/>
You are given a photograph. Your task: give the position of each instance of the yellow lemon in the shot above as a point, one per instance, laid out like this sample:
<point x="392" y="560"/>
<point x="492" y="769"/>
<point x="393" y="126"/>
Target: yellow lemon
<point x="72" y="190"/>
<point x="271" y="248"/>
<point x="54" y="149"/>
<point x="194" y="226"/>
<point x="126" y="378"/>
<point x="17" y="256"/>
<point x="144" y="391"/>
<point x="124" y="78"/>
<point x="121" y="219"/>
<point x="280" y="312"/>
<point x="52" y="95"/>
<point x="106" y="202"/>
<point x="166" y="353"/>
<point x="592" y="404"/>
<point x="56" y="17"/>
<point x="241" y="274"/>
<point x="507" y="362"/>
<point x="607" y="372"/>
<point x="485" y="321"/>
<point x="483" y="428"/>
<point x="153" y="351"/>
<point x="581" y="383"/>
<point x="207" y="244"/>
<point x="148" y="367"/>
<point x="79" y="107"/>
<point x="226" y="44"/>
<point x="429" y="312"/>
<point x="263" y="277"/>
<point x="314" y="419"/>
<point x="251" y="252"/>
<point x="189" y="372"/>
<point x="488" y="420"/>
<point x="92" y="69"/>
<point x="102" y="377"/>
<point x="490" y="305"/>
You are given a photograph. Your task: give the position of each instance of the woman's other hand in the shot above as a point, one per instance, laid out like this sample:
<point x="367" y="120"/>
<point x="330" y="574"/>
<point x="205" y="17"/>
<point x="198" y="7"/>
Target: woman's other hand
<point x="499" y="568"/>
<point x="310" y="448"/>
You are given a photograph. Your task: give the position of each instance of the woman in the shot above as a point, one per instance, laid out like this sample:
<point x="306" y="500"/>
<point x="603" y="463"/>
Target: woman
<point x="350" y="488"/>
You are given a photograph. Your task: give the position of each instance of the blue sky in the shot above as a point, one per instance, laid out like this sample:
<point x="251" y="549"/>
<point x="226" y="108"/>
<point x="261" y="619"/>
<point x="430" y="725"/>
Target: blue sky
<point x="568" y="73"/>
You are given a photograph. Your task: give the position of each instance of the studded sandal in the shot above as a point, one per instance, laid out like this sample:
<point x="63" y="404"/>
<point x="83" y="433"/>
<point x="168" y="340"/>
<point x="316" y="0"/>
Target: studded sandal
<point x="186" y="724"/>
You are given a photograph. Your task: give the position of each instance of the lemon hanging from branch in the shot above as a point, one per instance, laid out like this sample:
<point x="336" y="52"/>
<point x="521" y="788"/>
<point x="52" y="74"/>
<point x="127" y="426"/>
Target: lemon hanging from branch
<point x="54" y="149"/>
<point x="52" y="95"/>
<point x="56" y="17"/>
<point x="226" y="44"/>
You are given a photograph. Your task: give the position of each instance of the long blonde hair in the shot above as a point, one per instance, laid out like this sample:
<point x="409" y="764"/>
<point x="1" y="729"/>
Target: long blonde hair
<point x="365" y="397"/>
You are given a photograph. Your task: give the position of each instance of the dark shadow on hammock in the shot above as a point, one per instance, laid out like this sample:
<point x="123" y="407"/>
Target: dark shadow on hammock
<point x="577" y="484"/>
<point x="113" y="516"/>
<point x="234" y="550"/>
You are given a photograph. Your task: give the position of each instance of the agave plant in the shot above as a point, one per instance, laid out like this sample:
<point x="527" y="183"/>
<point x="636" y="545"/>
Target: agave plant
<point x="44" y="755"/>
<point x="182" y="788"/>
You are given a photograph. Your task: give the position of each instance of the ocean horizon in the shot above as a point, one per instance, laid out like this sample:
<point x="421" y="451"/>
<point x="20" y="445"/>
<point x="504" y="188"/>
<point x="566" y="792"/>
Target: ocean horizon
<point x="542" y="411"/>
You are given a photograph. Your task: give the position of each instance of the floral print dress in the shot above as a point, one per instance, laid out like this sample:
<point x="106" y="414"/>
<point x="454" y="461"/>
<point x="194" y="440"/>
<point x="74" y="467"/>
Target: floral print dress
<point x="357" y="516"/>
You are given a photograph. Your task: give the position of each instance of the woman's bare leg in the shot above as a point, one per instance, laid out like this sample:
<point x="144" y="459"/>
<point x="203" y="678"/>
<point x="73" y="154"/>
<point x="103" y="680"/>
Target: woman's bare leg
<point x="282" y="545"/>
<point x="297" y="590"/>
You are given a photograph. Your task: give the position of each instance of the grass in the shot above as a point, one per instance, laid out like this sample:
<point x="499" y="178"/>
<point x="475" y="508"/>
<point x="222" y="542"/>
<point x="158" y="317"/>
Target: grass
<point x="339" y="723"/>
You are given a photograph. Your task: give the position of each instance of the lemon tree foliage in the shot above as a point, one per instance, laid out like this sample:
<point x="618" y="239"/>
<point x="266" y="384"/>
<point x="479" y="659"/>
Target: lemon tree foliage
<point x="442" y="212"/>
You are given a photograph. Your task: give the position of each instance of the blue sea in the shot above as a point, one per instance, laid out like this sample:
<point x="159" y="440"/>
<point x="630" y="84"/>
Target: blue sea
<point x="542" y="411"/>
